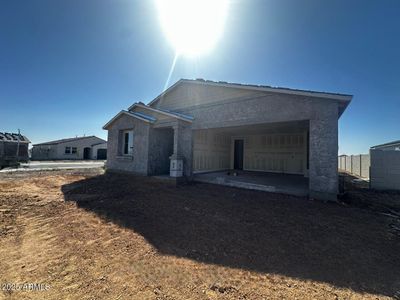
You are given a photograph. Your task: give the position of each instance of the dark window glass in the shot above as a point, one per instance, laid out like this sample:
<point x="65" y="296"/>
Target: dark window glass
<point x="126" y="143"/>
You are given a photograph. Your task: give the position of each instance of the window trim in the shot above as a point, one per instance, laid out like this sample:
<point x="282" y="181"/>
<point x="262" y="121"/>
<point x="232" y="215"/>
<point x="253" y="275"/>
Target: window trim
<point x="67" y="148"/>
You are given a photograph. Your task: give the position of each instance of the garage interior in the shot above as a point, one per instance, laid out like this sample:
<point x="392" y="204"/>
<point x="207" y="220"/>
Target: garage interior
<point x="270" y="157"/>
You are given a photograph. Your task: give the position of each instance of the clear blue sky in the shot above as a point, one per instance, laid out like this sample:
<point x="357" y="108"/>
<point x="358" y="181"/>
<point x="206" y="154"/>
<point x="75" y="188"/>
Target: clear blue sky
<point x="66" y="67"/>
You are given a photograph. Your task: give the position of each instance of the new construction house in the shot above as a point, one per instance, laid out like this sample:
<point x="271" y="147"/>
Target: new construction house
<point x="85" y="147"/>
<point x="262" y="137"/>
<point x="13" y="149"/>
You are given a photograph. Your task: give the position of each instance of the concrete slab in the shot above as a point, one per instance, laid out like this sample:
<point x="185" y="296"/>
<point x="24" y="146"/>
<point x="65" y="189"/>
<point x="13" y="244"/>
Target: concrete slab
<point x="263" y="181"/>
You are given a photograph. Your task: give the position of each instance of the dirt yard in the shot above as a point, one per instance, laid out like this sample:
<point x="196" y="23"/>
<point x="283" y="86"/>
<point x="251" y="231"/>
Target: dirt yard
<point x="95" y="236"/>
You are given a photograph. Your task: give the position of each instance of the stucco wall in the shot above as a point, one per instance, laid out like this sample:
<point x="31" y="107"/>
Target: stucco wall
<point x="138" y="162"/>
<point x="193" y="94"/>
<point x="161" y="147"/>
<point x="183" y="146"/>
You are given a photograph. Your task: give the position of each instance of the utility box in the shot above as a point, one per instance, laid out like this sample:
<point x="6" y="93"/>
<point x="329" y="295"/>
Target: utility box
<point x="176" y="166"/>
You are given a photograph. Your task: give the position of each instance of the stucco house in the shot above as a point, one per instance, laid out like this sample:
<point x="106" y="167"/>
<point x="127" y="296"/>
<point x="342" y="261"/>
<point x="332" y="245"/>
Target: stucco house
<point x="395" y="145"/>
<point x="84" y="147"/>
<point x="200" y="126"/>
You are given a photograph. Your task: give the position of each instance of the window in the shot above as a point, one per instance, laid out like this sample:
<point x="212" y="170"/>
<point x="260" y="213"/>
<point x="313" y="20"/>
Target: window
<point x="127" y="146"/>
<point x="67" y="150"/>
<point x="74" y="150"/>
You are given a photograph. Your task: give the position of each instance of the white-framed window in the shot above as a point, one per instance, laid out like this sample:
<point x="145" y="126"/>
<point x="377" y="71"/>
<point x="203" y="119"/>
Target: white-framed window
<point x="67" y="150"/>
<point x="74" y="150"/>
<point x="127" y="142"/>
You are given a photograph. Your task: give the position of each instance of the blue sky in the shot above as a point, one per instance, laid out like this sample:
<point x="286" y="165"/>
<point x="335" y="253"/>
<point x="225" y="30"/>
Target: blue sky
<point x="66" y="67"/>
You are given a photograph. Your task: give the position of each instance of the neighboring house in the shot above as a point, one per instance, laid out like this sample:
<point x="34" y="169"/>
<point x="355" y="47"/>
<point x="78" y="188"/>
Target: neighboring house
<point x="202" y="126"/>
<point x="86" y="147"/>
<point x="385" y="166"/>
<point x="395" y="145"/>
<point x="13" y="148"/>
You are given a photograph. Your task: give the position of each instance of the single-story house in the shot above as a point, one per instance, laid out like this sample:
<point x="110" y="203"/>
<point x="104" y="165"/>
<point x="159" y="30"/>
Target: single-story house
<point x="201" y="126"/>
<point x="13" y="148"/>
<point x="395" y="145"/>
<point x="85" y="147"/>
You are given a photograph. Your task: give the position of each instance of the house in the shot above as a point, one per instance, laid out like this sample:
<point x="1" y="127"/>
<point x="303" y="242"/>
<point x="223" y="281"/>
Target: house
<point x="395" y="145"/>
<point x="85" y="147"/>
<point x="13" y="148"/>
<point x="200" y="126"/>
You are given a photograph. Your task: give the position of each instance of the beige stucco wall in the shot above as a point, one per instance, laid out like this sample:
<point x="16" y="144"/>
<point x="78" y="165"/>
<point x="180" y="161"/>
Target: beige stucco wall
<point x="192" y="94"/>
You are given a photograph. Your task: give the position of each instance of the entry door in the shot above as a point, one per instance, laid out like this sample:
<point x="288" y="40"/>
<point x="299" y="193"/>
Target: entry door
<point x="238" y="155"/>
<point x="86" y="153"/>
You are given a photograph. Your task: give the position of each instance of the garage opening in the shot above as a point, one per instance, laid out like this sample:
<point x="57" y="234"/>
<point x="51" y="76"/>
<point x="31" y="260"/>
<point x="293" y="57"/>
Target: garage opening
<point x="101" y="154"/>
<point x="254" y="156"/>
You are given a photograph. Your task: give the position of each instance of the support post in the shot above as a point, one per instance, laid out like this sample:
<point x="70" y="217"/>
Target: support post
<point x="323" y="174"/>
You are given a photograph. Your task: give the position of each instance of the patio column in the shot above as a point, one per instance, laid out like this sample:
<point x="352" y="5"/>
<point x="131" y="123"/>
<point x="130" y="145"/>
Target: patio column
<point x="323" y="158"/>
<point x="181" y="159"/>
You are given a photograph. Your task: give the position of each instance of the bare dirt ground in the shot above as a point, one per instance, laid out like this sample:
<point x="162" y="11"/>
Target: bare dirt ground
<point x="95" y="236"/>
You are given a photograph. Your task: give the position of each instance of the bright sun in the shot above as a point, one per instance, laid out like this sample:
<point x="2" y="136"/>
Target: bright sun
<point x="192" y="26"/>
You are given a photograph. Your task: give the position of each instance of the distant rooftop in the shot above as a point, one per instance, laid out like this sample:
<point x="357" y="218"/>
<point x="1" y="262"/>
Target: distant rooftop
<point x="13" y="137"/>
<point x="387" y="144"/>
<point x="66" y="140"/>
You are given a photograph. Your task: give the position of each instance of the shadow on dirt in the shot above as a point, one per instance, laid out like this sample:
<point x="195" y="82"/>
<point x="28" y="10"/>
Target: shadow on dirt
<point x="263" y="232"/>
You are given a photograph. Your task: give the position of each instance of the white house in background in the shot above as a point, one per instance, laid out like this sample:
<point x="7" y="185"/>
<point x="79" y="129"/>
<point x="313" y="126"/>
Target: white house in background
<point x="395" y="145"/>
<point x="85" y="147"/>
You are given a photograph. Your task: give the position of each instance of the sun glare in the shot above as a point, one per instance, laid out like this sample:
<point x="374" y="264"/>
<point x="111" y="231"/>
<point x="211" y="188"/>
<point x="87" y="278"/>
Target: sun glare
<point x="192" y="26"/>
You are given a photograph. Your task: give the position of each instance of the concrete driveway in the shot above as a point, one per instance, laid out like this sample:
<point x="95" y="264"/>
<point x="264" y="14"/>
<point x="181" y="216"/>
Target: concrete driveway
<point x="56" y="165"/>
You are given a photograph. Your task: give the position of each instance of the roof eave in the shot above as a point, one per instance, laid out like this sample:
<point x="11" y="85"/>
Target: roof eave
<point x="127" y="113"/>
<point x="332" y="96"/>
<point x="171" y="114"/>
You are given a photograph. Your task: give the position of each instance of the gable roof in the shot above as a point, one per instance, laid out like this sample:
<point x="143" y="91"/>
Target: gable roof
<point x="137" y="115"/>
<point x="56" y="142"/>
<point x="13" y="137"/>
<point x="173" y="114"/>
<point x="344" y="99"/>
<point x="386" y="144"/>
